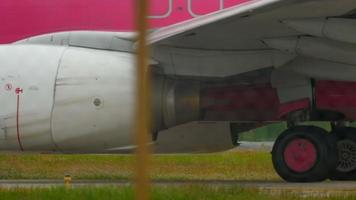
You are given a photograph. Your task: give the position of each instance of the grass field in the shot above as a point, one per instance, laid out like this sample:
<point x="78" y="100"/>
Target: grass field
<point x="192" y="192"/>
<point x="234" y="165"/>
<point x="239" y="165"/>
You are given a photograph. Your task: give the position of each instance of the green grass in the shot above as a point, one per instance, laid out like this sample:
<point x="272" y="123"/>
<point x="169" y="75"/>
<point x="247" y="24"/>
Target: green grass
<point x="235" y="165"/>
<point x="239" y="165"/>
<point x="191" y="192"/>
<point x="266" y="133"/>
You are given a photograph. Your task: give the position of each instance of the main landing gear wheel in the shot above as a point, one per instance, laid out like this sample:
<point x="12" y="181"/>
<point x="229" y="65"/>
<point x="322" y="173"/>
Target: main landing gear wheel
<point x="303" y="154"/>
<point x="345" y="139"/>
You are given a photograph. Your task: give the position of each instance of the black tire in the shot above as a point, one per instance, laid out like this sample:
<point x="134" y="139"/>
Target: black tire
<point x="324" y="163"/>
<point x="345" y="133"/>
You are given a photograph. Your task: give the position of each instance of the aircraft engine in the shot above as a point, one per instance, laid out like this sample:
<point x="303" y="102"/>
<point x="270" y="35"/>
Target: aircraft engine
<point x="82" y="100"/>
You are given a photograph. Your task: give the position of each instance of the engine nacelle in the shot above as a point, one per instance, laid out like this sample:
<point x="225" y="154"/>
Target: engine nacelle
<point x="73" y="99"/>
<point x="82" y="100"/>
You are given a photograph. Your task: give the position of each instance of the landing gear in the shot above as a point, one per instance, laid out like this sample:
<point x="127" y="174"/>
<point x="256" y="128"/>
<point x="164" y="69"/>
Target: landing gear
<point x="345" y="140"/>
<point x="304" y="154"/>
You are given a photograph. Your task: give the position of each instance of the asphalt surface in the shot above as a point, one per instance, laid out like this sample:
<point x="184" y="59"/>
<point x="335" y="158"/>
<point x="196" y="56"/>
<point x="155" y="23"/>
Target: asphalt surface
<point x="263" y="146"/>
<point x="326" y="188"/>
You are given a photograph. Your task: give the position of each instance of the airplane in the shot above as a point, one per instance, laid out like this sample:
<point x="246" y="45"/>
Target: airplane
<point x="66" y="16"/>
<point x="68" y="75"/>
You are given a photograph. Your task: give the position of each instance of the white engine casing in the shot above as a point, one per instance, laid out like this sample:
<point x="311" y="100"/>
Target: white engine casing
<point x="65" y="105"/>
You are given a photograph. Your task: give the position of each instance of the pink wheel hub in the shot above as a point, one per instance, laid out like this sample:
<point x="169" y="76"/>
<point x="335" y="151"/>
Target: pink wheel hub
<point x="300" y="155"/>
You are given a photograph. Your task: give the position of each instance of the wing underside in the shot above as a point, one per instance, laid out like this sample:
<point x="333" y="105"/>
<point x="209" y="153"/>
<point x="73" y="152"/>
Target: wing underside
<point x="255" y="35"/>
<point x="284" y="44"/>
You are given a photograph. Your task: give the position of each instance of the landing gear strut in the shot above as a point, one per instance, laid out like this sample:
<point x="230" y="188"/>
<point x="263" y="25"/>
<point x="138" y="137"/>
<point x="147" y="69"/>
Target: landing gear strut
<point x="304" y="154"/>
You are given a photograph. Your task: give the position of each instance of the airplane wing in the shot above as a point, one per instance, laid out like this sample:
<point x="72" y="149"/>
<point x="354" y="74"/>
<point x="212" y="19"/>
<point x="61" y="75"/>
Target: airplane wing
<point x="244" y="26"/>
<point x="214" y="20"/>
<point x="260" y="34"/>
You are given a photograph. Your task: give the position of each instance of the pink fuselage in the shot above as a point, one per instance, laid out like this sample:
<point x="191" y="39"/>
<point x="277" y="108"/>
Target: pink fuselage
<point x="26" y="18"/>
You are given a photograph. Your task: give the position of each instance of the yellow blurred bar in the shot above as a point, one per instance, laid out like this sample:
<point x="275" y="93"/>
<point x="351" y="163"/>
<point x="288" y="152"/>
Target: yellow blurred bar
<point x="142" y="183"/>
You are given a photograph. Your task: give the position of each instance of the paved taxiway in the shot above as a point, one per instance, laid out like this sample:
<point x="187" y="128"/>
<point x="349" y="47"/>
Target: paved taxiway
<point x="305" y="189"/>
<point x="262" y="146"/>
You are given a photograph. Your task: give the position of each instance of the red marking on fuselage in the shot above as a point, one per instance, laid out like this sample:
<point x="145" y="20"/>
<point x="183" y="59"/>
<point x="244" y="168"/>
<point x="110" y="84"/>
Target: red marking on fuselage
<point x="18" y="92"/>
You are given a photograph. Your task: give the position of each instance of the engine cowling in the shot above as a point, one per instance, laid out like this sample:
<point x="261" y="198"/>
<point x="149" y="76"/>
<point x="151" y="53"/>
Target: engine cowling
<point x="83" y="100"/>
